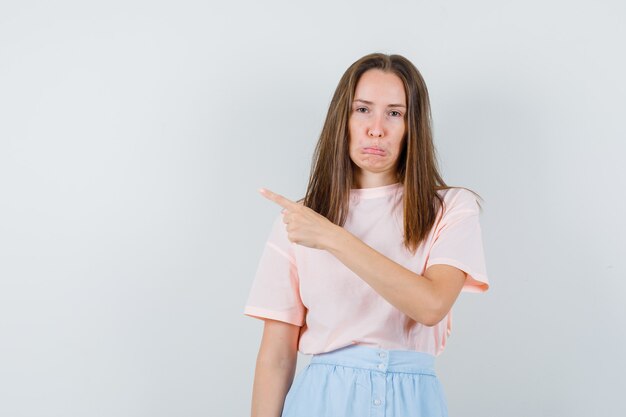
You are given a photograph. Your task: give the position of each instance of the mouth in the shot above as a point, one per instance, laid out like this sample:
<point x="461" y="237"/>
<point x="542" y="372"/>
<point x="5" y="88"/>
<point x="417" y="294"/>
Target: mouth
<point x="373" y="150"/>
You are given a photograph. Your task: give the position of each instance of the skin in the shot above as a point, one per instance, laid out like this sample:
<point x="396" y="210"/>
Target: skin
<point x="275" y="368"/>
<point x="377" y="119"/>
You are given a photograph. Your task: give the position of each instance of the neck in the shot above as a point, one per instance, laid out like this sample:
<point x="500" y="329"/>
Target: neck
<point x="374" y="180"/>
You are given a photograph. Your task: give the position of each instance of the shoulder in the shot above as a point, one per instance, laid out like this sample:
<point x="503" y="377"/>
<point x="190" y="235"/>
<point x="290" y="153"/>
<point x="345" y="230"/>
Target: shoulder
<point x="459" y="199"/>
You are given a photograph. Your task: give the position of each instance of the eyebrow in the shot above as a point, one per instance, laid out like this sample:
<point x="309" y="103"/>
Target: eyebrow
<point x="370" y="103"/>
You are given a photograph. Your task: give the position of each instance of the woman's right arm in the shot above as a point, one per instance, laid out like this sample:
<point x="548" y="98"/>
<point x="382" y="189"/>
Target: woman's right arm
<point x="275" y="368"/>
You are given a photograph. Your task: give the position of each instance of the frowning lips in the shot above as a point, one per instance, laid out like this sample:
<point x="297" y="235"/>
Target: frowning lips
<point x="374" y="150"/>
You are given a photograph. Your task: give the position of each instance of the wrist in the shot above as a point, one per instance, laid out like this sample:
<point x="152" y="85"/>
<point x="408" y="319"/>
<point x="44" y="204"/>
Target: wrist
<point x="336" y="238"/>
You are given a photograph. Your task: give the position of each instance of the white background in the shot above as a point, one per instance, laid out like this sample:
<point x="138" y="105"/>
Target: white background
<point x="133" y="138"/>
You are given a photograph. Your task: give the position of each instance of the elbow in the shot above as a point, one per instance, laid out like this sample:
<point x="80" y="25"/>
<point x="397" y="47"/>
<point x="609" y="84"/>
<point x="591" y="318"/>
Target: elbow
<point x="432" y="316"/>
<point x="431" y="320"/>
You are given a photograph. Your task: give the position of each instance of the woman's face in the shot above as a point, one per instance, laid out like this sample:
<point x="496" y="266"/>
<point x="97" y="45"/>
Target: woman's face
<point x="376" y="128"/>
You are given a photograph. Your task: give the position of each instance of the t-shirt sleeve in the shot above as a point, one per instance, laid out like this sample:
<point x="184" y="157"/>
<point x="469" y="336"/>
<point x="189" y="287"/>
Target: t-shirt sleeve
<point x="275" y="290"/>
<point x="458" y="240"/>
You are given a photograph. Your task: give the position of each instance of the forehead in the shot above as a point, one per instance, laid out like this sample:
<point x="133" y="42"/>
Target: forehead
<point x="380" y="87"/>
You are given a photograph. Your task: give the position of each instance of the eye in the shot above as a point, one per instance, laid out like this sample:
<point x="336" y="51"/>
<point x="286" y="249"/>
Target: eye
<point x="395" y="113"/>
<point x="361" y="110"/>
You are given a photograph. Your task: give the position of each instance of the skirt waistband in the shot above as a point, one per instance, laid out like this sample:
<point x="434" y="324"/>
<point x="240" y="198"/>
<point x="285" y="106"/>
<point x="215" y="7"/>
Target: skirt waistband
<point x="380" y="360"/>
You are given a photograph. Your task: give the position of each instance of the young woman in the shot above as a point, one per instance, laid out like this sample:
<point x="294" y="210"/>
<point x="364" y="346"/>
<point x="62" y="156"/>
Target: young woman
<point x="362" y="272"/>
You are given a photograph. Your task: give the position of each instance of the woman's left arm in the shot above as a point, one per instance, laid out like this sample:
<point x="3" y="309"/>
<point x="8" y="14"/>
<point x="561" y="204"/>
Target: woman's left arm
<point x="425" y="298"/>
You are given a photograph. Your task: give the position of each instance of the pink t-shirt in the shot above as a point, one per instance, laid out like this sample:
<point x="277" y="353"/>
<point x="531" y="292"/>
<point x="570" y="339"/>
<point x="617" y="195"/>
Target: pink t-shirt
<point x="313" y="289"/>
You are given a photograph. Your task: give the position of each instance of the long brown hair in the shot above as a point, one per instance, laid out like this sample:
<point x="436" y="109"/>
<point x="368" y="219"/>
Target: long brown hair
<point x="331" y="176"/>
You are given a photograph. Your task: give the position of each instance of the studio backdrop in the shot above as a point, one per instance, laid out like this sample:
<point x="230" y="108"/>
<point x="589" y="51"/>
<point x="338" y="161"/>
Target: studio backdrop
<point x="134" y="136"/>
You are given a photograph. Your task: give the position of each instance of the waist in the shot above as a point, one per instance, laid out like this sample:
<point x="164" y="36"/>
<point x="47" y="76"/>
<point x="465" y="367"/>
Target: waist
<point x="380" y="360"/>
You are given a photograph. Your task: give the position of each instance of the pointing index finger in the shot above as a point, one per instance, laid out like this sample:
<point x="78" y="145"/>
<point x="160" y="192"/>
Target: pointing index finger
<point x="278" y="199"/>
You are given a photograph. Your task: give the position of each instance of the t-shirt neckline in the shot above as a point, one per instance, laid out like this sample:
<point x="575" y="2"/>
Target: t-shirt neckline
<point x="374" y="192"/>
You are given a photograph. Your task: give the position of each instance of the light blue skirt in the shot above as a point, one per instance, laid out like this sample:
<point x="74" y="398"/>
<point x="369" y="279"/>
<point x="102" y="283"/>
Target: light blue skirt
<point x="360" y="381"/>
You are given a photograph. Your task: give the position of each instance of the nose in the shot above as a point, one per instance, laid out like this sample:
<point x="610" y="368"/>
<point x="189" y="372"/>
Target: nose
<point x="375" y="133"/>
<point x="376" y="128"/>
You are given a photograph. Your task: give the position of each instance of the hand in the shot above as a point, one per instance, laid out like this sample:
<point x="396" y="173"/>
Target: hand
<point x="304" y="226"/>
